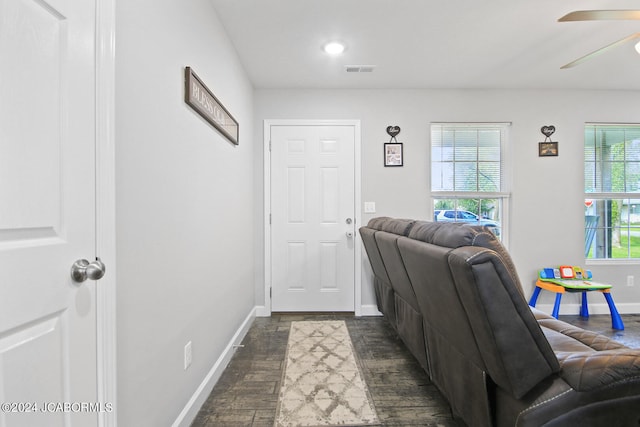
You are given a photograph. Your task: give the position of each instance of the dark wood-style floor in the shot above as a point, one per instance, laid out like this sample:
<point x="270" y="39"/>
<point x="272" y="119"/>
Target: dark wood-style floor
<point x="247" y="392"/>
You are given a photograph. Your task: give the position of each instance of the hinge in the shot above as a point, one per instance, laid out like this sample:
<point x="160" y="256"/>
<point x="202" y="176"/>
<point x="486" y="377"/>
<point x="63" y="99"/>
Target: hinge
<point x="269" y="145"/>
<point x="269" y="219"/>
<point x="270" y="292"/>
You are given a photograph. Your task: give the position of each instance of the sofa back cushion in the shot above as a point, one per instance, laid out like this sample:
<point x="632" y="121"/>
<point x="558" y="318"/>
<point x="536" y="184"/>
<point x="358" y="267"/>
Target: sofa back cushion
<point x="455" y="364"/>
<point x="457" y="234"/>
<point x="388" y="247"/>
<point x="443" y="313"/>
<point x="401" y="227"/>
<point x="385" y="296"/>
<point x="373" y="253"/>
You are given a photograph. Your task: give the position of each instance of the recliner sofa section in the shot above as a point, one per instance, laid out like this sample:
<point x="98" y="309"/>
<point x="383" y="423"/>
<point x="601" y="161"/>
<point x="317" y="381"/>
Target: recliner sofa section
<point x="394" y="294"/>
<point x="498" y="361"/>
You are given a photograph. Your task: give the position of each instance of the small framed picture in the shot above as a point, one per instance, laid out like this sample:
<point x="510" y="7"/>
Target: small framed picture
<point x="546" y="149"/>
<point x="393" y="154"/>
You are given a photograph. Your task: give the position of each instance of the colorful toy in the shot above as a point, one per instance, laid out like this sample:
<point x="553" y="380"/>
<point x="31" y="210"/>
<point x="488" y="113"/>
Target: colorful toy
<point x="566" y="278"/>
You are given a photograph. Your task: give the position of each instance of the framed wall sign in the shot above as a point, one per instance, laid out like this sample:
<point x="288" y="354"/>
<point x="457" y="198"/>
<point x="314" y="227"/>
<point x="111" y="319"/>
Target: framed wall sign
<point x="198" y="96"/>
<point x="393" y="154"/>
<point x="547" y="149"/>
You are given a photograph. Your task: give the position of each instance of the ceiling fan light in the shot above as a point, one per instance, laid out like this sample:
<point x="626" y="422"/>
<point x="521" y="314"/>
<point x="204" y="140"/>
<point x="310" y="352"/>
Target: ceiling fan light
<point x="638" y="47"/>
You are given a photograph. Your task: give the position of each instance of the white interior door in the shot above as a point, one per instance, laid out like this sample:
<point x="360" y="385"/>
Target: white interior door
<point x="47" y="212"/>
<point x="312" y="217"/>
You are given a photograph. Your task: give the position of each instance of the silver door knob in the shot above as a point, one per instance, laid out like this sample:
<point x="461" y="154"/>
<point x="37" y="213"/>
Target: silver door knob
<point x="82" y="270"/>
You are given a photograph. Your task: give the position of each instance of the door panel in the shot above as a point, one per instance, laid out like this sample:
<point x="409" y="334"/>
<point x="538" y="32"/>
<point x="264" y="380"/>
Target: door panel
<point x="312" y="191"/>
<point x="24" y="369"/>
<point x="30" y="174"/>
<point x="47" y="207"/>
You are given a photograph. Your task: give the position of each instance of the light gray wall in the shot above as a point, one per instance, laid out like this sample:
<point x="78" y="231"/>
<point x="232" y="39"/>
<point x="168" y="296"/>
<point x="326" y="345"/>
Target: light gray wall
<point x="547" y="202"/>
<point x="185" y="206"/>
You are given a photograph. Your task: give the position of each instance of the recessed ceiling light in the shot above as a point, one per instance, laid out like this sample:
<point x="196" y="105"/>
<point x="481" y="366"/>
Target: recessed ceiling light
<point x="334" y="48"/>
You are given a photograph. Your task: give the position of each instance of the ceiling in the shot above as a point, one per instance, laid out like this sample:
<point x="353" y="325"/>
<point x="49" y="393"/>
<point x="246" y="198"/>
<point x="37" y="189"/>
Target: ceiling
<point x="459" y="44"/>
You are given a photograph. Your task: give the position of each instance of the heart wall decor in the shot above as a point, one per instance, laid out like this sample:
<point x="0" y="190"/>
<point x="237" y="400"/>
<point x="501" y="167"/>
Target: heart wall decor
<point x="393" y="131"/>
<point x="548" y="130"/>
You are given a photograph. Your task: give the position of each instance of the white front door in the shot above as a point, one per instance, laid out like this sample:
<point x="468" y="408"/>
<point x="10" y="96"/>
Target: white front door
<point x="313" y="217"/>
<point x="47" y="213"/>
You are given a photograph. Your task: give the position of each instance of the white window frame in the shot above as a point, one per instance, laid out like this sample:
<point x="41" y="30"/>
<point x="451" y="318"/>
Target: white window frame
<point x="505" y="174"/>
<point x="609" y="196"/>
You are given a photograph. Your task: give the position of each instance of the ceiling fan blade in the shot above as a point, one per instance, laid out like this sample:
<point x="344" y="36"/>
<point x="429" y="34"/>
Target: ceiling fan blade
<point x="601" y="50"/>
<point x="601" y="15"/>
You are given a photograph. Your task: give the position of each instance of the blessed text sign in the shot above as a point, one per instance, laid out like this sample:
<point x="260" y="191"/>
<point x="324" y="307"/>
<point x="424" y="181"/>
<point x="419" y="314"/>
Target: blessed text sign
<point x="202" y="100"/>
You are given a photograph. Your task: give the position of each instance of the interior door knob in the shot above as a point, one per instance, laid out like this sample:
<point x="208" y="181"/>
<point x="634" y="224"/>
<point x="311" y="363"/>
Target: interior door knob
<point x="82" y="270"/>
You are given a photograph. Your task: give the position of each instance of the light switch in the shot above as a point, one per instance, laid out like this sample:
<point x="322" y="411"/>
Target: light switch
<point x="369" y="207"/>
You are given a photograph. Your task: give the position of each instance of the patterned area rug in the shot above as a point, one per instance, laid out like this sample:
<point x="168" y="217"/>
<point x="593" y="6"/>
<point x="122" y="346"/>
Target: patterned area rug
<point x="322" y="383"/>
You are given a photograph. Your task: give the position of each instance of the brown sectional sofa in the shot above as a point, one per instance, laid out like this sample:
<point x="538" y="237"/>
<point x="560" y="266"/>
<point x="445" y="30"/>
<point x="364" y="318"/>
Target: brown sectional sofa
<point x="453" y="295"/>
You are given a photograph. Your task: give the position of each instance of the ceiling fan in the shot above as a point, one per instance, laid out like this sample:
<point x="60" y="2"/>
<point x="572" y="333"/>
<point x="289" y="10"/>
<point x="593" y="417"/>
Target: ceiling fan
<point x="602" y="15"/>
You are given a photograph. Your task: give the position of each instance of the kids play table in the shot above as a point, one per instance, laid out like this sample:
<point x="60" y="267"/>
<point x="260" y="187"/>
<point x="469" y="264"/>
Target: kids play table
<point x="567" y="282"/>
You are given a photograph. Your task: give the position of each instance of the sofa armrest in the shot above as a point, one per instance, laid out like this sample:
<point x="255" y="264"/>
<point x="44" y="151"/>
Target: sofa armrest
<point x="515" y="352"/>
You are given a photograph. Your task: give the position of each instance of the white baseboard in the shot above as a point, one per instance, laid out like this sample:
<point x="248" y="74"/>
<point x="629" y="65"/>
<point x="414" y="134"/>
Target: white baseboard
<point x="194" y="404"/>
<point x="365" y="310"/>
<point x="261" y="311"/>
<point x="599" y="308"/>
<point x="369" y="310"/>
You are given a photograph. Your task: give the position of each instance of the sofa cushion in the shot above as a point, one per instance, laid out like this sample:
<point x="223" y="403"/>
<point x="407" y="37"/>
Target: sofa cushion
<point x="373" y="253"/>
<point x="591" y="370"/>
<point x="589" y="360"/>
<point x="565" y="337"/>
<point x="397" y="226"/>
<point x="388" y="247"/>
<point x="457" y="234"/>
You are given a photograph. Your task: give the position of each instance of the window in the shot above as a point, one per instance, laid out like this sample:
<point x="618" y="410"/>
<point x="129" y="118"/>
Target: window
<point x="467" y="163"/>
<point x="612" y="191"/>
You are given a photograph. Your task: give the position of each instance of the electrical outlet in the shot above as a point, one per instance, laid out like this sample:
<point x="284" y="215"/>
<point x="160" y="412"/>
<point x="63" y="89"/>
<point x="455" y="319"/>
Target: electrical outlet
<point x="629" y="280"/>
<point x="188" y="355"/>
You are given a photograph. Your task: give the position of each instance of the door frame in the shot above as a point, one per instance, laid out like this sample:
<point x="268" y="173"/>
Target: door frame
<point x="105" y="208"/>
<point x="266" y="310"/>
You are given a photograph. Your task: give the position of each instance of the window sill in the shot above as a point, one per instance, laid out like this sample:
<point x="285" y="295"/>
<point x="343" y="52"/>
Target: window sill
<point x="618" y="261"/>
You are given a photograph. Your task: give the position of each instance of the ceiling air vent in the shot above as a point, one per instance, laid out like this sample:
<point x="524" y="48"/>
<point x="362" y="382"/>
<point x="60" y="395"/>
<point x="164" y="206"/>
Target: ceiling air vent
<point x="359" y="68"/>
